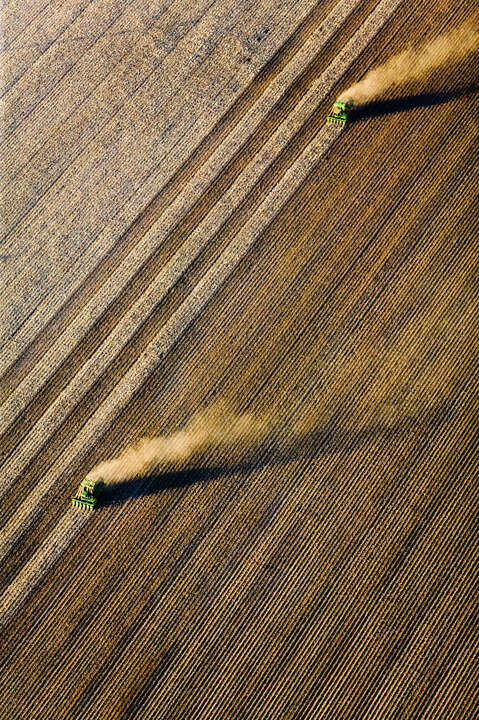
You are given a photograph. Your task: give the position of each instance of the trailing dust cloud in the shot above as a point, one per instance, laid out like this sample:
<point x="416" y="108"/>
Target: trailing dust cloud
<point x="218" y="428"/>
<point x="414" y="64"/>
<point x="221" y="438"/>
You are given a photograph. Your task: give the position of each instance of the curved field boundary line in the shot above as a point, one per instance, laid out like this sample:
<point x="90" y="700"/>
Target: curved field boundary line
<point x="105" y="242"/>
<point x="203" y="292"/>
<point x="199" y="239"/>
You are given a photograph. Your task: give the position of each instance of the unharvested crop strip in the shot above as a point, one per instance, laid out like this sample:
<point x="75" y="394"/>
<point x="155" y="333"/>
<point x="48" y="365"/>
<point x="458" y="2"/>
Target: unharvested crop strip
<point x="305" y="331"/>
<point x="186" y="130"/>
<point x="439" y="513"/>
<point x="138" y="640"/>
<point x="444" y="500"/>
<point x="184" y="189"/>
<point x="392" y="690"/>
<point x="185" y="314"/>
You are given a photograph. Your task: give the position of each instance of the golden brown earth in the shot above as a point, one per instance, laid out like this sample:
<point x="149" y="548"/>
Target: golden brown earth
<point x="181" y="227"/>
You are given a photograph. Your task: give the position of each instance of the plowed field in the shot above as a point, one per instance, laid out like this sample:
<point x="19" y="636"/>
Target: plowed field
<point x="180" y="226"/>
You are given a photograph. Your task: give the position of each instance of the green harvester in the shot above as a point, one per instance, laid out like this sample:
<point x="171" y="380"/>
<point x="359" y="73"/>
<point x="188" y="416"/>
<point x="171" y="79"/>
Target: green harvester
<point x="340" y="112"/>
<point x="88" y="494"/>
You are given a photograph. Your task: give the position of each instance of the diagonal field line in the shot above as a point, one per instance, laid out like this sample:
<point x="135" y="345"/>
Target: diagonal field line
<point x="106" y="240"/>
<point x="72" y="522"/>
<point x="31" y="574"/>
<point x="199" y="239"/>
<point x="180" y="320"/>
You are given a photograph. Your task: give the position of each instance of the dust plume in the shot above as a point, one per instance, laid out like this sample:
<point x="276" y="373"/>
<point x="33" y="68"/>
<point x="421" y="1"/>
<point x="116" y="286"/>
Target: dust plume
<point x="216" y="429"/>
<point x="414" y="64"/>
<point x="221" y="437"/>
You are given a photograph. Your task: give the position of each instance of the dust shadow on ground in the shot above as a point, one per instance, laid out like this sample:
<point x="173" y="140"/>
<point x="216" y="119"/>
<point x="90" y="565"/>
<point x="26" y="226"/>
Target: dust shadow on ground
<point x="319" y="442"/>
<point x="410" y="102"/>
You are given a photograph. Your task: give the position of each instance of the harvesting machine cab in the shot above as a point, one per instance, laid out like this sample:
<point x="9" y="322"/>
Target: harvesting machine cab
<point x="340" y="112"/>
<point x="88" y="493"/>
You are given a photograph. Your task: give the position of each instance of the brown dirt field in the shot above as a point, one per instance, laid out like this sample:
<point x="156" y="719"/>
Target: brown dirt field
<point x="331" y="577"/>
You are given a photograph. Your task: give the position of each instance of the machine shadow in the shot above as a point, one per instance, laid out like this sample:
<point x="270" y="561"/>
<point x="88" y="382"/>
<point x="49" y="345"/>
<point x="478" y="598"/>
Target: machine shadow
<point x="410" y="102"/>
<point x="319" y="442"/>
